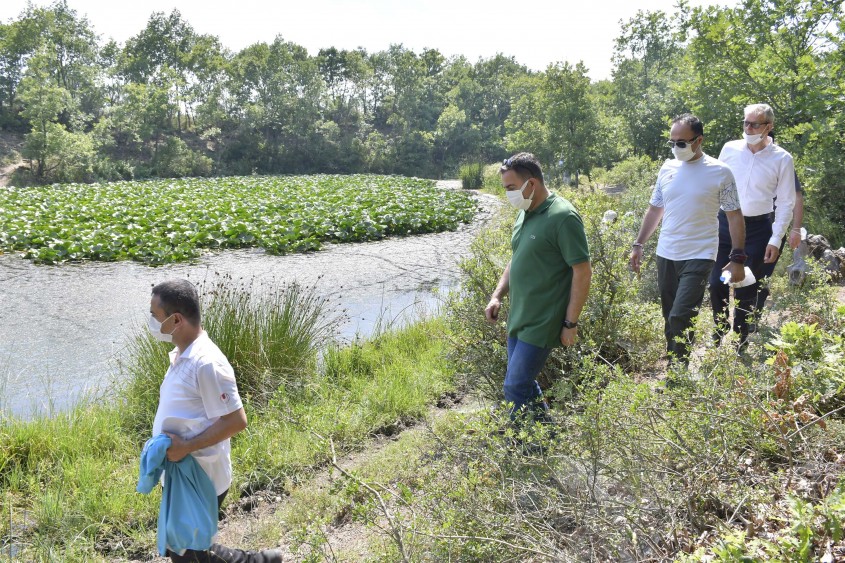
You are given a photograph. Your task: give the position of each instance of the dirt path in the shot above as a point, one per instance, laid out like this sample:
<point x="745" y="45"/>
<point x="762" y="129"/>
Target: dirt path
<point x="249" y="519"/>
<point x="6" y="173"/>
<point x="10" y="147"/>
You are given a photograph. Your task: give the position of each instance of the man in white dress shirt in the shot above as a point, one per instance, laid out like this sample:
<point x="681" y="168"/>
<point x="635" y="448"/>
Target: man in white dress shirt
<point x="763" y="172"/>
<point x="199" y="405"/>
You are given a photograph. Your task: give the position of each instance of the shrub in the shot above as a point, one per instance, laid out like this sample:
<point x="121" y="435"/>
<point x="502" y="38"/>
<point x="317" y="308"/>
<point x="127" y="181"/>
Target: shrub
<point x="108" y="170"/>
<point x="492" y="179"/>
<point x="471" y="175"/>
<point x="270" y="333"/>
<point x="174" y="158"/>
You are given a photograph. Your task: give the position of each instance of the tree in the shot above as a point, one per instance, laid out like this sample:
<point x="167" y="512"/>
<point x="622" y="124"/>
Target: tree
<point x="68" y="43"/>
<point x="647" y="59"/>
<point x="18" y="40"/>
<point x="556" y="119"/>
<point x="788" y="54"/>
<point x="277" y="89"/>
<point x="55" y="153"/>
<point x="168" y="52"/>
<point x="572" y="118"/>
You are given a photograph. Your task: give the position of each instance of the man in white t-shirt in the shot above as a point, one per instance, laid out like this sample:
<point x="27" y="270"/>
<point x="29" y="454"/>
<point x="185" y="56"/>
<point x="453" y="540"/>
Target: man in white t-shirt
<point x="687" y="196"/>
<point x="199" y="405"/>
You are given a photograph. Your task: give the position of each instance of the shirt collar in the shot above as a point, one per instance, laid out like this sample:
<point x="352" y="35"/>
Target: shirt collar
<point x="764" y="149"/>
<point x="543" y="206"/>
<point x="192" y="350"/>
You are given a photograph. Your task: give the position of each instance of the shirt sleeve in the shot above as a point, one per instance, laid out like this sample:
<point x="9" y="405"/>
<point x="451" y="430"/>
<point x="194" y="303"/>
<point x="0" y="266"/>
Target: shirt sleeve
<point x="572" y="240"/>
<point x="657" y="193"/>
<point x="785" y="194"/>
<point x="728" y="195"/>
<point x="218" y="389"/>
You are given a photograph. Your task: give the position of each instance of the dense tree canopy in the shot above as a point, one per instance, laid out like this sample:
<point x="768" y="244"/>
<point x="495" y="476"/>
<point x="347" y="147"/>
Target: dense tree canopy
<point x="173" y="102"/>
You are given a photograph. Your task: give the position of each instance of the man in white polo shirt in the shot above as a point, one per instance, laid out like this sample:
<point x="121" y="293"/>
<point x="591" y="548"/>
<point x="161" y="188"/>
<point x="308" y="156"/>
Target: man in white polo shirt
<point x="199" y="405"/>
<point x="687" y="196"/>
<point x="763" y="171"/>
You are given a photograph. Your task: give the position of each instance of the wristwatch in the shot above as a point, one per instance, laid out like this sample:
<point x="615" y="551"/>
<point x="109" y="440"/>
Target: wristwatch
<point x="569" y="324"/>
<point x="738" y="255"/>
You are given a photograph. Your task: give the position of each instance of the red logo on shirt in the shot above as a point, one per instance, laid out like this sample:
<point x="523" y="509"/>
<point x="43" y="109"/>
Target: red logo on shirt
<point x="224" y="397"/>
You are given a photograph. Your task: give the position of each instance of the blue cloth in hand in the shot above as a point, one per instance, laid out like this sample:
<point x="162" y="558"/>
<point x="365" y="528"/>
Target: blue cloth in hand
<point x="187" y="517"/>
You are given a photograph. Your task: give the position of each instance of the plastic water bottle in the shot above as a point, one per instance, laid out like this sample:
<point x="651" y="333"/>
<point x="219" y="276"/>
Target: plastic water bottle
<point x="749" y="278"/>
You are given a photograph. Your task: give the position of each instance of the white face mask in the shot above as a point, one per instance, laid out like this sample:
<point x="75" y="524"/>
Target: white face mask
<point x="155" y="329"/>
<point x="515" y="197"/>
<point x="683" y="154"/>
<point x="752" y="139"/>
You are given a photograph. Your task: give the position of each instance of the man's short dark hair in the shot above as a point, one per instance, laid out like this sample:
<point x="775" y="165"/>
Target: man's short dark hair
<point x="179" y="296"/>
<point x="524" y="164"/>
<point x="689" y="119"/>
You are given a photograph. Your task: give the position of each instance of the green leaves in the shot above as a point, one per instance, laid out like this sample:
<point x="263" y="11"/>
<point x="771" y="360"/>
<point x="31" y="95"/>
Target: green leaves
<point x="164" y="221"/>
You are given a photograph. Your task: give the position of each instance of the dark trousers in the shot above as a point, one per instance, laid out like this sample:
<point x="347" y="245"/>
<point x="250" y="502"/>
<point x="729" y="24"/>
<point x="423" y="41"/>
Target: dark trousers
<point x="218" y="553"/>
<point x="681" y="284"/>
<point x="768" y="270"/>
<point x="758" y="231"/>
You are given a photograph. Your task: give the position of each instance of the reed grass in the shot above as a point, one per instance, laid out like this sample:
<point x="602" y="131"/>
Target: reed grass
<point x="67" y="482"/>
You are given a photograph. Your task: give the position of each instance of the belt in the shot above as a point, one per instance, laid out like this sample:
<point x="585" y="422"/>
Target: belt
<point x="756" y="218"/>
<point x="753" y="218"/>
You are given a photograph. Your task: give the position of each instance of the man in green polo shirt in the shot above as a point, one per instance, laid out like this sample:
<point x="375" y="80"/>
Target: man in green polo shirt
<point x="548" y="278"/>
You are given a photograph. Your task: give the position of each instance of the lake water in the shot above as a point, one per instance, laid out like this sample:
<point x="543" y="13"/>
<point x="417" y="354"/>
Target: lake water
<point x="63" y="327"/>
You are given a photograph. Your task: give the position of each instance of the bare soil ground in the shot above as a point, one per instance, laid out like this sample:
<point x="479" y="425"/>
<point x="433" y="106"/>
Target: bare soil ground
<point x="10" y="159"/>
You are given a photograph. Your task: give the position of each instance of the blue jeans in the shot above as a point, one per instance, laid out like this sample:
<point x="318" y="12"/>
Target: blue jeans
<point x="525" y="362"/>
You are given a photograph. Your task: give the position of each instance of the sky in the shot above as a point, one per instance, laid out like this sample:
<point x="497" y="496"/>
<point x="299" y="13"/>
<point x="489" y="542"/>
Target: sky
<point x="536" y="33"/>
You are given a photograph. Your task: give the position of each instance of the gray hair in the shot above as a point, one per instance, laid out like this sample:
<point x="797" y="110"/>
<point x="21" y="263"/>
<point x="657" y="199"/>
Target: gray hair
<point x="765" y="109"/>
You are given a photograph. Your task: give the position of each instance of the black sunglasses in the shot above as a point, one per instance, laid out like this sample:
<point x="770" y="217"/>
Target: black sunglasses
<point x="754" y="125"/>
<point x="681" y="144"/>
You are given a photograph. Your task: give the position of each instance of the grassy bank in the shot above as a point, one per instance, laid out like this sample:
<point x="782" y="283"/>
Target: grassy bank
<point x="67" y="484"/>
<point x="739" y="459"/>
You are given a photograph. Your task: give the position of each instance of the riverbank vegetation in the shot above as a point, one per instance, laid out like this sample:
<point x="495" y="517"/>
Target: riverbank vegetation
<point x="67" y="483"/>
<point x="172" y="102"/>
<point x="163" y="221"/>
<point x="739" y="457"/>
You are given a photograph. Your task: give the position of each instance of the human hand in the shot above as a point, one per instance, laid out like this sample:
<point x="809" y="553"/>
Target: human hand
<point x="794" y="239"/>
<point x="772" y="253"/>
<point x="737" y="271"/>
<point x="178" y="448"/>
<point x="568" y="336"/>
<point x="636" y="258"/>
<point x="491" y="312"/>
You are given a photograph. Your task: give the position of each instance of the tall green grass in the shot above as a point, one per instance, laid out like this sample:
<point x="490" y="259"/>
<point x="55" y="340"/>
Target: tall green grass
<point x="471" y="175"/>
<point x="270" y="332"/>
<point x="67" y="483"/>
